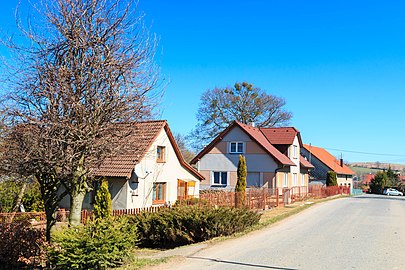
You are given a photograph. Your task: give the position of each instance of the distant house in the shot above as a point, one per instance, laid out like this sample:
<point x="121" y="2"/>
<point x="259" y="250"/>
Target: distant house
<point x="323" y="162"/>
<point x="152" y="172"/>
<point x="272" y="157"/>
<point x="366" y="178"/>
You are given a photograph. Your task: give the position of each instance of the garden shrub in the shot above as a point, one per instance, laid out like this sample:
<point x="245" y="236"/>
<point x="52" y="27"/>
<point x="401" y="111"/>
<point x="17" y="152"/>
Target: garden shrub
<point x="103" y="203"/>
<point x="100" y="244"/>
<point x="22" y="246"/>
<point x="190" y="224"/>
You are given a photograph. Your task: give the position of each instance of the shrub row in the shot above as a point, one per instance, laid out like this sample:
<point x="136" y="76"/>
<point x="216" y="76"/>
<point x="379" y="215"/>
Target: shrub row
<point x="190" y="224"/>
<point x="106" y="243"/>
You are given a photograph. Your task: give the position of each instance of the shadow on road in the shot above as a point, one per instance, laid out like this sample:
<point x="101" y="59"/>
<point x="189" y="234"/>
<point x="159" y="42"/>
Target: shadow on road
<point x="242" y="263"/>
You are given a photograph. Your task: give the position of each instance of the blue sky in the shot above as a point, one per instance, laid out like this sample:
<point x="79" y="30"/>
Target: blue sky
<point x="340" y="65"/>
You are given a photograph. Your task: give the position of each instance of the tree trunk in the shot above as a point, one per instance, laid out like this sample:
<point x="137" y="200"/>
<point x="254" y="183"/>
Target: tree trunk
<point x="19" y="198"/>
<point x="17" y="203"/>
<point x="76" y="201"/>
<point x="78" y="190"/>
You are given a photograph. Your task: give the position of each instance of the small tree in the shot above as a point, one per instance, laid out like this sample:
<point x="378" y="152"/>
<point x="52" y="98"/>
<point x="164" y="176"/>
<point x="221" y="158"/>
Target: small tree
<point x="393" y="178"/>
<point x="331" y="179"/>
<point x="240" y="187"/>
<point x="102" y="202"/>
<point x="379" y="182"/>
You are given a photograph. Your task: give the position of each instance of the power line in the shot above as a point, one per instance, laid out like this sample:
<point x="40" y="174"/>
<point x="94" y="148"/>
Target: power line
<point x="367" y="153"/>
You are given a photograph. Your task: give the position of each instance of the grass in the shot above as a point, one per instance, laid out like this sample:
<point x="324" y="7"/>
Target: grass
<point x="135" y="263"/>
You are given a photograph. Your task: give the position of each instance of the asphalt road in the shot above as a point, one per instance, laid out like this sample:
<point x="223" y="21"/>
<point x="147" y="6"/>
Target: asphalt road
<point x="365" y="232"/>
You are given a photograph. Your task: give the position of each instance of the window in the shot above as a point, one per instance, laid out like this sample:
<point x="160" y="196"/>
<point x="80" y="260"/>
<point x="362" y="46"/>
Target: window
<point x="236" y="147"/>
<point x="159" y="193"/>
<point x="285" y="181"/>
<point x="302" y="179"/>
<point x="219" y="178"/>
<point x="295" y="180"/>
<point x="160" y="154"/>
<point x="293" y="151"/>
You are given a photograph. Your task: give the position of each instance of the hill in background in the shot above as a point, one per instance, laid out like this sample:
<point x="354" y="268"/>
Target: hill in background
<point x="361" y="168"/>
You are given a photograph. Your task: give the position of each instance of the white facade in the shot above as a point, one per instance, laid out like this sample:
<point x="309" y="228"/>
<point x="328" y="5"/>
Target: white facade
<point x="149" y="172"/>
<point x="139" y="191"/>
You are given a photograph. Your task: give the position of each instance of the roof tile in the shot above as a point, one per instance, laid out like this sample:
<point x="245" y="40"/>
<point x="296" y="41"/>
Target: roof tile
<point x="281" y="135"/>
<point x="328" y="159"/>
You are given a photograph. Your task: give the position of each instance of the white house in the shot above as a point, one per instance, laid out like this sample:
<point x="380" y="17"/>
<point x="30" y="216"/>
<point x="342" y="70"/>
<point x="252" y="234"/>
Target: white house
<point x="152" y="172"/>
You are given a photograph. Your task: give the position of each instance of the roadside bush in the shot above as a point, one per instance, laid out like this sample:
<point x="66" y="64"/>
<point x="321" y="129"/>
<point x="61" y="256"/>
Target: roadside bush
<point x="190" y="224"/>
<point x="22" y="246"/>
<point x="99" y="244"/>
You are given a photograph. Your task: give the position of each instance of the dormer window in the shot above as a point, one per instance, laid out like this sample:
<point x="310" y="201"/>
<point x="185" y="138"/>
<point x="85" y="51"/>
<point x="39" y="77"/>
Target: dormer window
<point x="160" y="154"/>
<point x="236" y="147"/>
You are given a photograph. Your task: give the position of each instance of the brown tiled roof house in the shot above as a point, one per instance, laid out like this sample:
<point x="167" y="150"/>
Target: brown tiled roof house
<point x="151" y="172"/>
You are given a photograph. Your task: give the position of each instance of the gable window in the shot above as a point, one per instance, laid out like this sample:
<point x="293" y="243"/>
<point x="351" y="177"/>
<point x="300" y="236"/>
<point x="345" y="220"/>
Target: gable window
<point x="285" y="181"/>
<point x="295" y="180"/>
<point x="160" y="154"/>
<point x="159" y="193"/>
<point x="293" y="151"/>
<point x="219" y="178"/>
<point x="236" y="147"/>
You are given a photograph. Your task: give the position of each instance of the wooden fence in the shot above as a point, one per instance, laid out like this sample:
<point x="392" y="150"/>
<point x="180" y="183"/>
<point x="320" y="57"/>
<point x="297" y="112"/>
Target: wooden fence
<point x="318" y="191"/>
<point x="260" y="198"/>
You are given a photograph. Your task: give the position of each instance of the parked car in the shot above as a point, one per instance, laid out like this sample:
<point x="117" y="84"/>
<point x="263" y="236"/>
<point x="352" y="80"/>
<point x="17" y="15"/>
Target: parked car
<point x="392" y="192"/>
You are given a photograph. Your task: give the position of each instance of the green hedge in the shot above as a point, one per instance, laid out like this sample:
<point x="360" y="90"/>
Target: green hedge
<point x="190" y="224"/>
<point x="97" y="245"/>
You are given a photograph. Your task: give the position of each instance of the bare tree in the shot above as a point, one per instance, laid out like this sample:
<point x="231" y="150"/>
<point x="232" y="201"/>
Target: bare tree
<point x="185" y="150"/>
<point x="244" y="103"/>
<point x="89" y="66"/>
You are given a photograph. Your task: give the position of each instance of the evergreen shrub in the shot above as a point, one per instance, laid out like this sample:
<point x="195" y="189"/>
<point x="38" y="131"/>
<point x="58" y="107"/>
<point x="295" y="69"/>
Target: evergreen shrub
<point x="99" y="244"/>
<point x="190" y="224"/>
<point x="331" y="178"/>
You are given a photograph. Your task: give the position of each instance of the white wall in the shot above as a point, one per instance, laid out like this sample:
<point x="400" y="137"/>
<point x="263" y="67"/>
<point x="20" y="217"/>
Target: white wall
<point x="296" y="159"/>
<point x="149" y="172"/>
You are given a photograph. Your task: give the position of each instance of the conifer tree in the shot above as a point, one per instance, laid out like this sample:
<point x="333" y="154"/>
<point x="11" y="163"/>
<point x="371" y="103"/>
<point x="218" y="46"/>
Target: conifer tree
<point x="331" y="179"/>
<point x="240" y="187"/>
<point x="103" y="203"/>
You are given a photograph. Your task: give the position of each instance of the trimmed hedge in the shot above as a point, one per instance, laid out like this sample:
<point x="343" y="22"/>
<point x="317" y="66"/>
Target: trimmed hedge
<point x="22" y="246"/>
<point x="100" y="244"/>
<point x="190" y="224"/>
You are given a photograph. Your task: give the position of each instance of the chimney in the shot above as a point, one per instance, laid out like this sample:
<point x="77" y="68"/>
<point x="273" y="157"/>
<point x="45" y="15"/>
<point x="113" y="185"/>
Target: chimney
<point x="341" y="162"/>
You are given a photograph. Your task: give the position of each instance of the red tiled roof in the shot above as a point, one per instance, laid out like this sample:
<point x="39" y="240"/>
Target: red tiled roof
<point x="329" y="160"/>
<point x="138" y="143"/>
<point x="367" y="178"/>
<point x="256" y="135"/>
<point x="281" y="135"/>
<point x="305" y="163"/>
